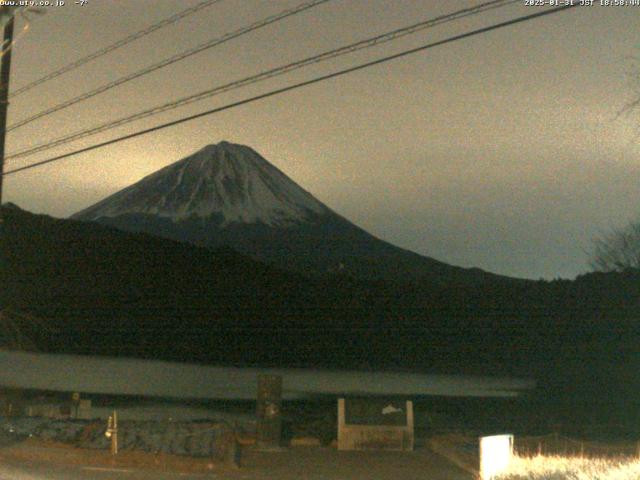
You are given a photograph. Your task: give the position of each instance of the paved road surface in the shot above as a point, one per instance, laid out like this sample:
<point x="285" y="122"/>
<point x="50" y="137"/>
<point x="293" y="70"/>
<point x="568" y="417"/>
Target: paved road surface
<point x="302" y="463"/>
<point x="13" y="470"/>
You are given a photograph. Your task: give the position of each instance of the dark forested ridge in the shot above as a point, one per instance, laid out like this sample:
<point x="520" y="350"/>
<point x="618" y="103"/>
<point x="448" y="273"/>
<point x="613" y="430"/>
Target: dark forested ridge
<point x="109" y="292"/>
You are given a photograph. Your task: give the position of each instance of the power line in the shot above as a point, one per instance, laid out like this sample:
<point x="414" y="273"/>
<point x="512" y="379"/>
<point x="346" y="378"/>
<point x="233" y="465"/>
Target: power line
<point x="296" y="86"/>
<point x="363" y="44"/>
<point x="171" y="60"/>
<point x="120" y="43"/>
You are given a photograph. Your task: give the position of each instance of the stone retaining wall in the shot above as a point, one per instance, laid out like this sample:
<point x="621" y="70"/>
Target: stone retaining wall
<point x="196" y="439"/>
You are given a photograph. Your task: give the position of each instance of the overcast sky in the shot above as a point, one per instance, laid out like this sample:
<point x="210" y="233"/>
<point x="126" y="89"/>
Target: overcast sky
<point x="503" y="151"/>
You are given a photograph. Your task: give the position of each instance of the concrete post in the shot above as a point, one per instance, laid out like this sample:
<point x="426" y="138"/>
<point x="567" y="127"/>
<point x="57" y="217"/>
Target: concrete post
<point x="269" y="412"/>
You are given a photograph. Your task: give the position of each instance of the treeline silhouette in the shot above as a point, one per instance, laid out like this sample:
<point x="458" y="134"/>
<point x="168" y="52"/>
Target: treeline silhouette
<point x="107" y="292"/>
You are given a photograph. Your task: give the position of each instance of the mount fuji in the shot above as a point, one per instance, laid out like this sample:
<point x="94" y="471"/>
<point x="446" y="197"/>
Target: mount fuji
<point x="229" y="195"/>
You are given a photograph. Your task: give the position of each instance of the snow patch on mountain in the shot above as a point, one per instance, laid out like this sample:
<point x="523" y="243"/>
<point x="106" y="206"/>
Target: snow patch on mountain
<point x="229" y="180"/>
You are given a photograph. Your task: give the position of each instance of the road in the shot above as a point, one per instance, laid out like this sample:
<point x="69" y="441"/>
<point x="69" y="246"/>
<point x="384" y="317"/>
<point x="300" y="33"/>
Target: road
<point x="26" y="462"/>
<point x="19" y="470"/>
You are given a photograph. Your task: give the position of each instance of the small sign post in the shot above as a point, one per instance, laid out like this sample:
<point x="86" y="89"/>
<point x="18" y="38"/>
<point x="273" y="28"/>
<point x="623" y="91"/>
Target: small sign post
<point x="112" y="432"/>
<point x="75" y="401"/>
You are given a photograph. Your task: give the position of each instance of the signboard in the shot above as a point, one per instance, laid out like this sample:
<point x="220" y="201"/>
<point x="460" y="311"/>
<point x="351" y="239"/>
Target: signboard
<point x="375" y="424"/>
<point x="376" y="411"/>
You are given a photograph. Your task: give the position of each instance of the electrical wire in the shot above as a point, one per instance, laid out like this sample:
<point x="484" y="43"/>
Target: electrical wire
<point x="120" y="43"/>
<point x="296" y="86"/>
<point x="274" y="72"/>
<point x="169" y="61"/>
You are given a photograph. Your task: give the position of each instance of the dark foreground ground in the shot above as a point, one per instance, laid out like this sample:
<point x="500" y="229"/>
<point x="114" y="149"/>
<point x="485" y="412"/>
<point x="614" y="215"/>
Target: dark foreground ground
<point x="35" y="461"/>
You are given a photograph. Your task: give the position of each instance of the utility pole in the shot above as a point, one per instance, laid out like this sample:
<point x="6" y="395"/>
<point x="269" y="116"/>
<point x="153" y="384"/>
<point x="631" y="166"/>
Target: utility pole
<point x="6" y="15"/>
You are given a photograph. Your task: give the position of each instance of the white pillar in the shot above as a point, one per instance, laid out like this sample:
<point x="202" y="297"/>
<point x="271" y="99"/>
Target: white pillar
<point x="496" y="452"/>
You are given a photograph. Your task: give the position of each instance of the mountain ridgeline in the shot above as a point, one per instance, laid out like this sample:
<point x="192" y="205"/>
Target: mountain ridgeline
<point x="100" y="290"/>
<point x="229" y="195"/>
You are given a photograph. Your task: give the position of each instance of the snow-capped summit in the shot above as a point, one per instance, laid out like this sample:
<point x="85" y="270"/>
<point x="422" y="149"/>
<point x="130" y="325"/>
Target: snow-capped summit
<point x="231" y="182"/>
<point x="227" y="195"/>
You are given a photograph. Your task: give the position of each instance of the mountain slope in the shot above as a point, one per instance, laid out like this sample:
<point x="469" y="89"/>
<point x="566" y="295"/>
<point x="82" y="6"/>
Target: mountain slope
<point x="228" y="195"/>
<point x="103" y="291"/>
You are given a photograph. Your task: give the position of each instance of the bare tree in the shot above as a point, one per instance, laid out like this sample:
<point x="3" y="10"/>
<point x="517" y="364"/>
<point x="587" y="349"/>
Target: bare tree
<point x="633" y="76"/>
<point x="618" y="250"/>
